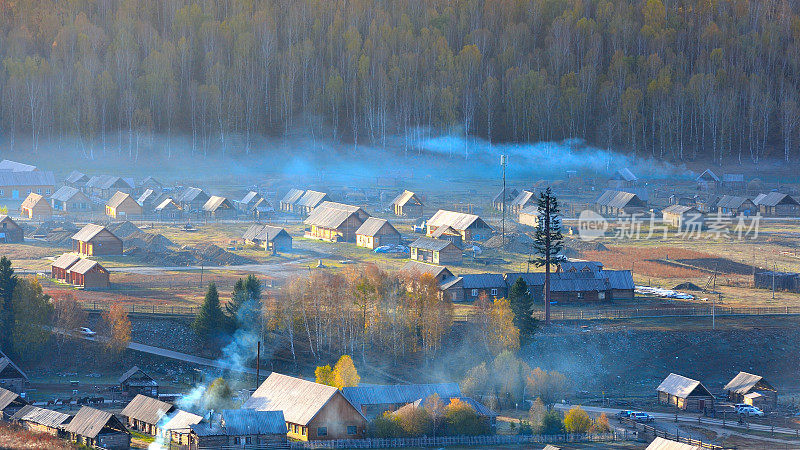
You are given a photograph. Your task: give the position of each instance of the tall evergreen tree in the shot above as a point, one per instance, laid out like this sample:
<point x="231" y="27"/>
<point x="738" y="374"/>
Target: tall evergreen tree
<point x="8" y="282"/>
<point x="548" y="242"/>
<point x="243" y="310"/>
<point x="522" y="305"/>
<point x="210" y="321"/>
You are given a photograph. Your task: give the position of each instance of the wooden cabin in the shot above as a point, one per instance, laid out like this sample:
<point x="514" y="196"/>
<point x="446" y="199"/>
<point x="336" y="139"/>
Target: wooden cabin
<point x="96" y="240"/>
<point x="241" y="428"/>
<point x="219" y="208"/>
<point x="123" y="206"/>
<point x="150" y="183"/>
<point x="249" y="201"/>
<point x="375" y="399"/>
<point x="11" y="376"/>
<point x="619" y="203"/>
<point x="104" y="186"/>
<point x="374" y="233"/>
<point x="523" y="200"/>
<point x="36" y="207"/>
<point x="777" y="204"/>
<point x="309" y="201"/>
<point x="177" y="428"/>
<point x="683" y="217"/>
<point x="407" y="204"/>
<point x="98" y="429"/>
<point x="192" y="199"/>
<point x="10" y="231"/>
<point x="685" y="394"/>
<point x="16" y="185"/>
<point x="272" y="239"/>
<point x="477" y="285"/>
<point x="70" y="200"/>
<point x="168" y="210"/>
<point x="59" y="270"/>
<point x="10" y="403"/>
<point x="144" y="414"/>
<point x="312" y="411"/>
<point x="88" y="274"/>
<point x="149" y="199"/>
<point x="732" y="205"/>
<point x="417" y="269"/>
<point x="76" y="179"/>
<point x="470" y="226"/>
<point x="509" y="194"/>
<point x="435" y="251"/>
<point x="287" y="203"/>
<point x="708" y="181"/>
<point x="752" y="390"/>
<point x="135" y="381"/>
<point x="623" y="178"/>
<point x="335" y="222"/>
<point x="40" y="420"/>
<point x="529" y="216"/>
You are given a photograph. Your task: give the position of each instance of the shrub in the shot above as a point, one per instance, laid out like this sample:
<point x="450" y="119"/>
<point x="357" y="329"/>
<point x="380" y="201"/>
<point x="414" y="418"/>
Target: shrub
<point x="386" y="426"/>
<point x="601" y="424"/>
<point x="462" y="420"/>
<point x="414" y="421"/>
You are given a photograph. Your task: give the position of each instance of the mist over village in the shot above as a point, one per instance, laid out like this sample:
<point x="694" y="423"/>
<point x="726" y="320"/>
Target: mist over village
<point x="367" y="224"/>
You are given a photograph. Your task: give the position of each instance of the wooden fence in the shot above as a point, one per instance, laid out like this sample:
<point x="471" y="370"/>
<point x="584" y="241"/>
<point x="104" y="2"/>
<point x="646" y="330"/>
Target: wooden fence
<point x="445" y="441"/>
<point x="160" y="310"/>
<point x="645" y="430"/>
<point x="701" y="311"/>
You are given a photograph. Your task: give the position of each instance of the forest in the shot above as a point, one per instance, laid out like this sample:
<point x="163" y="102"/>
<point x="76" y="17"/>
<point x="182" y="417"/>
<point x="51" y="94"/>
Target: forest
<point x="673" y="79"/>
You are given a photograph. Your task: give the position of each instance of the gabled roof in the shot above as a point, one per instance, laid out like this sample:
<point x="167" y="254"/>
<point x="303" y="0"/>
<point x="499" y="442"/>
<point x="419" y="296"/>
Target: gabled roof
<point x="292" y="196"/>
<point x="216" y="202"/>
<point x="8" y="219"/>
<point x="14" y="166"/>
<point x="147" y="195"/>
<point x="451" y="282"/>
<point x="6" y="362"/>
<point x="373" y="225"/>
<point x="90" y="231"/>
<point x="617" y="199"/>
<point x="76" y="177"/>
<point x="681" y="386"/>
<point x="90" y="422"/>
<point x="66" y="193"/>
<point x="190" y="194"/>
<point x="85" y="265"/>
<point x="263" y="233"/>
<point x="116" y="200"/>
<point x="523" y="198"/>
<point x="332" y="214"/>
<point x="532" y="210"/>
<point x="166" y="204"/>
<point x="41" y="416"/>
<point x="374" y="394"/>
<point x="239" y="422"/>
<point x="404" y="198"/>
<point x="483" y="281"/>
<point x="37" y="178"/>
<point x="679" y="209"/>
<point x="432" y="244"/>
<point x="32" y="200"/>
<point x="708" y="174"/>
<point x="774" y="199"/>
<point x="151" y="181"/>
<point x="300" y="400"/>
<point x="620" y="279"/>
<point x="251" y="196"/>
<point x="731" y="201"/>
<point x="625" y="174"/>
<point x="8" y="397"/>
<point x="456" y="220"/>
<point x="420" y="268"/>
<point x="743" y="382"/>
<point x="666" y="444"/>
<point x="66" y="261"/>
<point x="311" y="199"/>
<point x="107" y="182"/>
<point x="181" y="420"/>
<point x="510" y="194"/>
<point x="131" y="372"/>
<point x="579" y="266"/>
<point x="147" y="409"/>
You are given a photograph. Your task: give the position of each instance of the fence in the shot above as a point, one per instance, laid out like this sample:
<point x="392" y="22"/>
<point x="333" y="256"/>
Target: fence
<point x="163" y="310"/>
<point x="444" y="441"/>
<point x="633" y="313"/>
<point x="655" y="432"/>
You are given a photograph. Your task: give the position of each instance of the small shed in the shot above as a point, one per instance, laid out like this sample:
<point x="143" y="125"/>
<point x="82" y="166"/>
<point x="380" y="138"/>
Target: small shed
<point x="249" y="201"/>
<point x="375" y="232"/>
<point x="98" y="429"/>
<point x="60" y="268"/>
<point x="11" y="376"/>
<point x="135" y="381"/>
<point x="88" y="274"/>
<point x="407" y="204"/>
<point x="40" y="420"/>
<point x="36" y="207"/>
<point x="733" y="205"/>
<point x="241" y="428"/>
<point x="685" y="394"/>
<point x="96" y="240"/>
<point x="683" y="217"/>
<point x="168" y="210"/>
<point x="271" y="238"/>
<point x="435" y="251"/>
<point x="287" y="203"/>
<point x="219" y="208"/>
<point x="123" y="206"/>
<point x="144" y="413"/>
<point x="752" y="390"/>
<point x="10" y="231"/>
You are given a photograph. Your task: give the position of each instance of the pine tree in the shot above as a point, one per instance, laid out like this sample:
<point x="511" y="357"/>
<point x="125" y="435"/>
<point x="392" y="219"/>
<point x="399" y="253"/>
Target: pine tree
<point x="210" y="320"/>
<point x="8" y="282"/>
<point x="522" y="305"/>
<point x="243" y="310"/>
<point x="548" y="242"/>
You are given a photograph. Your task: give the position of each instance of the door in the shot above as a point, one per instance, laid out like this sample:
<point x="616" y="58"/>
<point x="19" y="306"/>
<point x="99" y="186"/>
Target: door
<point x="15" y="194"/>
<point x="702" y="405"/>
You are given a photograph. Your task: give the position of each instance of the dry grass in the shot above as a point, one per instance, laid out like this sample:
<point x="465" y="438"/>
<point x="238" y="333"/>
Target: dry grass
<point x="18" y="439"/>
<point x="644" y="260"/>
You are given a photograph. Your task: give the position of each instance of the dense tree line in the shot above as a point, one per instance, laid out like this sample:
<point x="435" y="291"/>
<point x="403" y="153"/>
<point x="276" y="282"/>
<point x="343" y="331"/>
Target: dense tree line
<point x="676" y="79"/>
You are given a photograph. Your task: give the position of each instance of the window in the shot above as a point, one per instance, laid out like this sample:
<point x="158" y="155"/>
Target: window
<point x="322" y="431"/>
<point x="248" y="440"/>
<point x="580" y="294"/>
<point x="237" y="441"/>
<point x="39" y="191"/>
<point x="352" y="429"/>
<point x="494" y="292"/>
<point x="2" y="193"/>
<point x="47" y="191"/>
<point x="474" y="292"/>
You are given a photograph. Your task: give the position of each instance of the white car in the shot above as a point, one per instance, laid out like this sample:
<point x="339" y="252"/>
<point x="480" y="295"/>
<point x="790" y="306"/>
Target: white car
<point x="749" y="410"/>
<point x="86" y="331"/>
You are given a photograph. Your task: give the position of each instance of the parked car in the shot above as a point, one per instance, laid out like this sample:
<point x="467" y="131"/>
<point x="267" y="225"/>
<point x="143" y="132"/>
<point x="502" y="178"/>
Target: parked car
<point x="86" y="331"/>
<point x="642" y="417"/>
<point x="624" y="414"/>
<point x="749" y="410"/>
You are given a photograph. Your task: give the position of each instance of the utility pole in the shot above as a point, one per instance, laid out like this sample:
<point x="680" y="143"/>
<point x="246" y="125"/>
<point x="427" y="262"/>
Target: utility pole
<point x="258" y="364"/>
<point x="503" y="163"/>
<point x="773" y="280"/>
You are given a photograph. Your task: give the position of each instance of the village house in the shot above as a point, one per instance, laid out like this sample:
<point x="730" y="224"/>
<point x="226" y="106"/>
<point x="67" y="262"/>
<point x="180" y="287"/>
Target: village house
<point x="11" y="376"/>
<point x="96" y="240"/>
<point x="150" y="183"/>
<point x="88" y="274"/>
<point x="312" y="411"/>
<point x="76" y="179"/>
<point x="249" y="201"/>
<point x="676" y="199"/>
<point x="660" y="443"/>
<point x="191" y="199"/>
<point x="523" y="200"/>
<point x="70" y="200"/>
<point x="123" y="206"/>
<point x="149" y="199"/>
<point x="447" y="233"/>
<point x="10" y="403"/>
<point x="40" y="420"/>
<point x="8" y="165"/>
<point x="435" y="251"/>
<point x="510" y="194"/>
<point x="578" y="282"/>
<point x="135" y="381"/>
<point x="407" y="204"/>
<point x="168" y="211"/>
<point x="144" y="413"/>
<point x="16" y="185"/>
<point x="708" y="181"/>
<point x="178" y="427"/>
<point x="417" y="269"/>
<point x="262" y="209"/>
<point x="59" y="269"/>
<point x="529" y="216"/>
<point x="288" y="201"/>
<point x="219" y="208"/>
<point x="36" y="207"/>
<point x="733" y="181"/>
<point x="10" y="231"/>
<point x="375" y="399"/>
<point x="272" y="239"/>
<point x="104" y="185"/>
<point x="623" y="178"/>
<point x="374" y="233"/>
<point x="256" y="206"/>
<point x="732" y="205"/>
<point x="470" y="226"/>
<point x="309" y="201"/>
<point x="98" y="429"/>
<point x="240" y="428"/>
<point x="335" y="222"/>
<point x="685" y="394"/>
<point x="777" y="204"/>
<point x="683" y="217"/>
<point x="477" y="285"/>
<point x="707" y="204"/>
<point x="752" y="390"/>
<point x="619" y="203"/>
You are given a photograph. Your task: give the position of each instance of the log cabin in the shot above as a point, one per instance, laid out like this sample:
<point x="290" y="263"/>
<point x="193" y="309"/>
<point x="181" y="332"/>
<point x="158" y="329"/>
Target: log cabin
<point x="272" y="239"/>
<point x="11" y="376"/>
<point x="219" y="208"/>
<point x="683" y="217"/>
<point x="88" y="274"/>
<point x="98" y="429"/>
<point x="68" y="200"/>
<point x="408" y="204"/>
<point x="335" y="222"/>
<point x="374" y="233"/>
<point x="287" y="203"/>
<point x="470" y="226"/>
<point x="309" y="201"/>
<point x="777" y="204"/>
<point x="40" y="420"/>
<point x="240" y="428"/>
<point x="144" y="413"/>
<point x="60" y="268"/>
<point x="122" y="206"/>
<point x="685" y="394"/>
<point x="10" y="231"/>
<point x="619" y="203"/>
<point x="96" y="240"/>
<point x="732" y="205"/>
<point x="752" y="390"/>
<point x="435" y="251"/>
<point x="168" y="210"/>
<point x="36" y="207"/>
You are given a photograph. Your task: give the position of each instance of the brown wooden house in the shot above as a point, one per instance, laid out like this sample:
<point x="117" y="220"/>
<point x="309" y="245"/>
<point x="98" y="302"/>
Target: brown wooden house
<point x="98" y="429"/>
<point x="435" y="251"/>
<point x="88" y="274"/>
<point x="16" y="185"/>
<point x="733" y="205"/>
<point x="375" y="232"/>
<point x="123" y="206"/>
<point x="219" y="208"/>
<point x="312" y="411"/>
<point x="10" y="231"/>
<point x="36" y="207"/>
<point x="683" y="217"/>
<point x="287" y="203"/>
<point x="168" y="210"/>
<point x="40" y="420"/>
<point x="271" y="238"/>
<point x="96" y="240"/>
<point x="335" y="222"/>
<point x="192" y="199"/>
<point x="470" y="226"/>
<point x="11" y="376"/>
<point x="685" y="394"/>
<point x="10" y="403"/>
<point x="70" y="200"/>
<point x="240" y="428"/>
<point x="408" y="204"/>
<point x="777" y="204"/>
<point x="144" y="413"/>
<point x="135" y="381"/>
<point x="417" y="268"/>
<point x="619" y="203"/>
<point x="508" y="193"/>
<point x="752" y="390"/>
<point x="524" y="199"/>
<point x="60" y="267"/>
<point x="309" y="201"/>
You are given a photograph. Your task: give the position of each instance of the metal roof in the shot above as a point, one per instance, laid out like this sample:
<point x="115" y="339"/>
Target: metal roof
<point x="451" y="282"/>
<point x="708" y="173"/>
<point x="37" y="178"/>
<point x="483" y="281"/>
<point x="147" y="409"/>
<point x="373" y="394"/>
<point x="523" y="198"/>
<point x="456" y="220"/>
<point x="167" y="202"/>
<point x="626" y="174"/>
<point x="404" y="198"/>
<point x="14" y="166"/>
<point x="252" y="195"/>
<point x="8" y="397"/>
<point x="88" y="232"/>
<point x="617" y="199"/>
<point x="511" y="193"/>
<point x="666" y="444"/>
<point x="41" y="416"/>
<point x="190" y="194"/>
<point x="292" y="196"/>
<point x="373" y="226"/>
<point x="118" y="198"/>
<point x="6" y="362"/>
<point x="731" y="201"/>
<point x="263" y="233"/>
<point x="90" y="422"/>
<point x="107" y="182"/>
<point x="84" y="265"/>
<point x="241" y="422"/>
<point x="620" y="279"/>
<point x="66" y="261"/>
<point x="441" y="231"/>
<point x="181" y="420"/>
<point x="300" y="400"/>
<point x="311" y="199"/>
<point x="130" y="372"/>
<point x="774" y="199"/>
<point x="579" y="266"/>
<point x="432" y="244"/>
<point x="66" y="193"/>
<point x="679" y="210"/>
<point x="419" y="268"/>
<point x="32" y="200"/>
<point x="331" y="214"/>
<point x="680" y="386"/>
<point x="743" y="382"/>
<point x="147" y="195"/>
<point x="216" y="202"/>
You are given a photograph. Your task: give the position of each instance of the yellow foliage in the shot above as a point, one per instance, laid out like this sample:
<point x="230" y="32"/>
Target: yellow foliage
<point x="577" y="420"/>
<point x="345" y="373"/>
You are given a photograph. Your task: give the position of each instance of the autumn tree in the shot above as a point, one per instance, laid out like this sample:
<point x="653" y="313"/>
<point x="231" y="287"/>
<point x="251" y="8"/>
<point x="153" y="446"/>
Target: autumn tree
<point x="576" y="420"/>
<point x="119" y="328"/>
<point x="344" y="373"/>
<point x="550" y="386"/>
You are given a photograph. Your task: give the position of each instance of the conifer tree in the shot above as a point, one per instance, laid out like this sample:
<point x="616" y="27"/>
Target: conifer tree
<point x="210" y="320"/>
